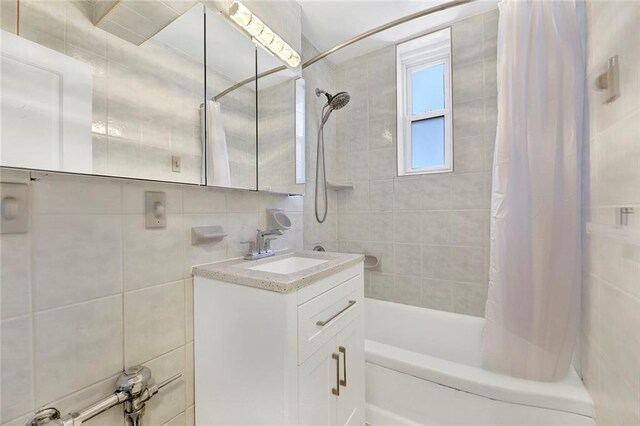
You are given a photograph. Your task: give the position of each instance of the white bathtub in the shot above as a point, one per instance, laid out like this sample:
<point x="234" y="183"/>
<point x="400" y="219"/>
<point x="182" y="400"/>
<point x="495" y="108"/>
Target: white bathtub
<point x="423" y="367"/>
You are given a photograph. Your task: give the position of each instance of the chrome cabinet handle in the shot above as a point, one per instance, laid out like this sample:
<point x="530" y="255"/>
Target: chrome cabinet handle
<point x="336" y="390"/>
<point x="343" y="351"/>
<point x="327" y="321"/>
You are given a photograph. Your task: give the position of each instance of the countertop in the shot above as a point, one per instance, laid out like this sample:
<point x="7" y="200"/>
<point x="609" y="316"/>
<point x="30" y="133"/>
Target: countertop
<point x="236" y="271"/>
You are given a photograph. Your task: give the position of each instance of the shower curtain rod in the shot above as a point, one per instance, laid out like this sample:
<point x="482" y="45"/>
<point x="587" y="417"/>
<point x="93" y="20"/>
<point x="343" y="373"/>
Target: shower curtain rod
<point x="349" y="42"/>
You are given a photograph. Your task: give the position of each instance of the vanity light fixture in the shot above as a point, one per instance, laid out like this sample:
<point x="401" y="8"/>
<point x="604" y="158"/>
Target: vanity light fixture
<point x="263" y="34"/>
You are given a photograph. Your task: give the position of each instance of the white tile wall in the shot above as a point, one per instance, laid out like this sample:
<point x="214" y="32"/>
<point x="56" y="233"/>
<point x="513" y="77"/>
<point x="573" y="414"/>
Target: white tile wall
<point x="320" y="75"/>
<point x="89" y="291"/>
<point x="610" y="333"/>
<point x="431" y="230"/>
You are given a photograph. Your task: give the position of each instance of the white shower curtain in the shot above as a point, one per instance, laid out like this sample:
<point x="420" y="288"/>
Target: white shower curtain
<point x="216" y="157"/>
<point x="532" y="310"/>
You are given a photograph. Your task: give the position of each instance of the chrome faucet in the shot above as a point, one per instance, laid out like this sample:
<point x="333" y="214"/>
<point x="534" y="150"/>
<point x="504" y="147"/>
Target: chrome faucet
<point x="262" y="246"/>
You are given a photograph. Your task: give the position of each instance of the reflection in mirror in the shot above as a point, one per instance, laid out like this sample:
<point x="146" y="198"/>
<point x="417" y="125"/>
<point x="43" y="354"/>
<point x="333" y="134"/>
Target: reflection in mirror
<point x="276" y="134"/>
<point x="300" y="131"/>
<point x="278" y="126"/>
<point x="77" y="98"/>
<point x="230" y="116"/>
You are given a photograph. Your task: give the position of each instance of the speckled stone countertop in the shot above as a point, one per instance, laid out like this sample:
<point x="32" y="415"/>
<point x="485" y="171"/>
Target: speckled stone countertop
<point x="237" y="271"/>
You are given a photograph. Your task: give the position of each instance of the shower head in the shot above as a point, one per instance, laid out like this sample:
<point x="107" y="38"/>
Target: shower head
<point x="337" y="101"/>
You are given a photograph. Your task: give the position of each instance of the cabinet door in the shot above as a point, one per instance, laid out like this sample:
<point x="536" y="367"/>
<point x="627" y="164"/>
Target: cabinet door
<point x="317" y="376"/>
<point x="351" y="403"/>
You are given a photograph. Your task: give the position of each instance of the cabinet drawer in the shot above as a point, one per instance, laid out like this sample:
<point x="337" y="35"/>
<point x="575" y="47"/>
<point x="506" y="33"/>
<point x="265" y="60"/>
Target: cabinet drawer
<point x="322" y="317"/>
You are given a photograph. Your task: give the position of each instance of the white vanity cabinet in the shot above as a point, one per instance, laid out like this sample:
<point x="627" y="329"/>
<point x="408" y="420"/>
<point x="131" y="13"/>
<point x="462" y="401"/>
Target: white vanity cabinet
<point x="274" y="357"/>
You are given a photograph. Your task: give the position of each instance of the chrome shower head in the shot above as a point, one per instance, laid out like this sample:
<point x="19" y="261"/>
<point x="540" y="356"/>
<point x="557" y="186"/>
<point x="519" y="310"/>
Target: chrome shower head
<point x="337" y="101"/>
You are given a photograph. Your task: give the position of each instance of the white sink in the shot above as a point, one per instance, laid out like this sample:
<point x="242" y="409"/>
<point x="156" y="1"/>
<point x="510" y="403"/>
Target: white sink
<point x="289" y="265"/>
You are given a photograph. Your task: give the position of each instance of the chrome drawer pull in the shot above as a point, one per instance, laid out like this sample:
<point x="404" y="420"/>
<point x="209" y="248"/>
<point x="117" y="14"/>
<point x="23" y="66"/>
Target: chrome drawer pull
<point x="325" y="322"/>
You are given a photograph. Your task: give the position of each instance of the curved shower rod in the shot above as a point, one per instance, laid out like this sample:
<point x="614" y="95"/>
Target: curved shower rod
<point x="349" y="42"/>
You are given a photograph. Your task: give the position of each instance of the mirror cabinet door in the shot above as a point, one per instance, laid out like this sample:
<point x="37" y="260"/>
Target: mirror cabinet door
<point x="231" y="115"/>
<point x="281" y="137"/>
<point x="85" y="98"/>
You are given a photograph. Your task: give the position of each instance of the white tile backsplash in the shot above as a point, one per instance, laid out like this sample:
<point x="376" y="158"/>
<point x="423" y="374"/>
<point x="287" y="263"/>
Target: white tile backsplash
<point x="109" y="293"/>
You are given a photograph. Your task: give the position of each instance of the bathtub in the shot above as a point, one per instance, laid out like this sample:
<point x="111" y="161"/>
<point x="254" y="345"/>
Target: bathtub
<point x="423" y="367"/>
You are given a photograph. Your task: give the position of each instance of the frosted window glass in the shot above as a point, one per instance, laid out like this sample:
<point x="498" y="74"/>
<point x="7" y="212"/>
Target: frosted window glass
<point x="427" y="143"/>
<point x="427" y="86"/>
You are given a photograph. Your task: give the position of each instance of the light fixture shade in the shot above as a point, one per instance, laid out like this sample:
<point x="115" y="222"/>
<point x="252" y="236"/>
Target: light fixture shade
<point x="242" y="16"/>
<point x="266" y="36"/>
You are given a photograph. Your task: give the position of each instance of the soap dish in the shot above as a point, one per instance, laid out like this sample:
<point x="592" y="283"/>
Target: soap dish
<point x="207" y="234"/>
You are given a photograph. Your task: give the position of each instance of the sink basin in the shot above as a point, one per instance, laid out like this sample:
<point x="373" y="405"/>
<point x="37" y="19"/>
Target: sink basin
<point x="288" y="265"/>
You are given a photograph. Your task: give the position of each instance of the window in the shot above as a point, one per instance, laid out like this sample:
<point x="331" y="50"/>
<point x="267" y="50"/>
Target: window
<point x="424" y="104"/>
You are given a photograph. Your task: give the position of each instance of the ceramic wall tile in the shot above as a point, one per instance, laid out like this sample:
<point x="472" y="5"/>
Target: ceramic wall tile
<point x="75" y="258"/>
<point x="16" y="368"/>
<point x="154" y="321"/>
<point x="76" y="346"/>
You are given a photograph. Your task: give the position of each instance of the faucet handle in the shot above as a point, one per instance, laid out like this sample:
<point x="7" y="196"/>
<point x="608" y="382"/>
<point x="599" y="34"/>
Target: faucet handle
<point x="252" y="246"/>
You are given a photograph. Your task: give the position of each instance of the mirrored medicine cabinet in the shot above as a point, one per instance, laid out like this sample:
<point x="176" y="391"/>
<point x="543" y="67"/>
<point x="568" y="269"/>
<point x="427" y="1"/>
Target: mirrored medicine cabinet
<point x="188" y="97"/>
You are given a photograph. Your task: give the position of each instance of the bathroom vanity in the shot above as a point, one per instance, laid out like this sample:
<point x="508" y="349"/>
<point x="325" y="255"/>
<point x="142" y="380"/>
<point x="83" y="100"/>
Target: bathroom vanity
<point x="280" y="340"/>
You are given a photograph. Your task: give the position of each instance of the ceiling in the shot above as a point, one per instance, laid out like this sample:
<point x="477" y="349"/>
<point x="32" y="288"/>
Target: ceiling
<point x="327" y="23"/>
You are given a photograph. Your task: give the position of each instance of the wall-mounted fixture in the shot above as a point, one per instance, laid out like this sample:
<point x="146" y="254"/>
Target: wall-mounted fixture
<point x="134" y="388"/>
<point x="14" y="208"/>
<point x="277" y="219"/>
<point x="610" y="80"/>
<point x="341" y="186"/>
<point x="263" y="34"/>
<point x="155" y="209"/>
<point x="622" y="215"/>
<point x="207" y="234"/>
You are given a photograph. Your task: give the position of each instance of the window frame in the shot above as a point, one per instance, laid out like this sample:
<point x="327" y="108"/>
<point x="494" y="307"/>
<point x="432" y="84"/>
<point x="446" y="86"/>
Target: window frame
<point x="414" y="55"/>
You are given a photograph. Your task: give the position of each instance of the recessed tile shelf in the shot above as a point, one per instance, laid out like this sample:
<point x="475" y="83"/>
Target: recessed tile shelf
<point x="207" y="234"/>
